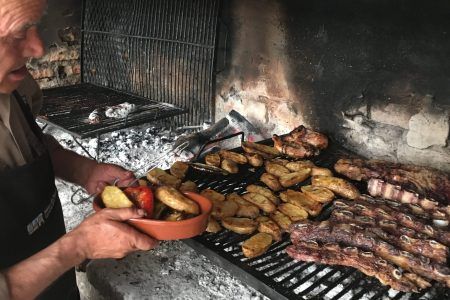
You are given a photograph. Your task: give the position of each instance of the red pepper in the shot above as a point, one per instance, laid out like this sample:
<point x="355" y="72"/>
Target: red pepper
<point x="142" y="196"/>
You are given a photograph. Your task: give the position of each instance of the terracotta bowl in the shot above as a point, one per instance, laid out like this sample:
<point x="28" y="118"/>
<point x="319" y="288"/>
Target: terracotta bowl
<point x="172" y="230"/>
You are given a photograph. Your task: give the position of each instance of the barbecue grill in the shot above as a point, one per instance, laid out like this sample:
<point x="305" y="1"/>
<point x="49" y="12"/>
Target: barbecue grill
<point x="276" y="274"/>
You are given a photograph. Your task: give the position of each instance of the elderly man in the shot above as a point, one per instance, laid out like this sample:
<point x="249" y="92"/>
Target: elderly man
<point x="36" y="255"/>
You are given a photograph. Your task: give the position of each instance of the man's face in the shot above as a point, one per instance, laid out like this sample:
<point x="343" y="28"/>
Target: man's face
<point x="19" y="39"/>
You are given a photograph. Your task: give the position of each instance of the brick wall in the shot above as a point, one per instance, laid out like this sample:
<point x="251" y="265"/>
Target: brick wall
<point x="61" y="64"/>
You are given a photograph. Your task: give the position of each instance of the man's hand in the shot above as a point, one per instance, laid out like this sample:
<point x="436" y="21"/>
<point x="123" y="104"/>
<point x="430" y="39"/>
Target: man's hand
<point x="104" y="235"/>
<point x="100" y="175"/>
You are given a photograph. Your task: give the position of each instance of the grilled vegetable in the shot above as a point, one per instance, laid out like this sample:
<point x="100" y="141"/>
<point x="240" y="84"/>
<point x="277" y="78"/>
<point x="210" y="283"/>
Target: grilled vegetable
<point x="230" y="166"/>
<point x="174" y="199"/>
<point x="301" y="200"/>
<point x="254" y="159"/>
<point x="294" y="212"/>
<point x="213" y="225"/>
<point x="281" y="219"/>
<point x="223" y="209"/>
<point x="160" y="177"/>
<point x="233" y="156"/>
<point x="174" y="215"/>
<point x="275" y="169"/>
<point x="264" y="150"/>
<point x="337" y="185"/>
<point x="263" y="191"/>
<point x="295" y="177"/>
<point x="298" y="165"/>
<point x="269" y="226"/>
<point x="159" y="209"/>
<point x="256" y="245"/>
<point x="240" y="225"/>
<point x="280" y="161"/>
<point x="321" y="171"/>
<point x="212" y="195"/>
<point x="188" y="186"/>
<point x="271" y="181"/>
<point x="261" y="201"/>
<point x="317" y="193"/>
<point x="179" y="169"/>
<point x="142" y="197"/>
<point x="114" y="197"/>
<point x="246" y="209"/>
<point x="212" y="159"/>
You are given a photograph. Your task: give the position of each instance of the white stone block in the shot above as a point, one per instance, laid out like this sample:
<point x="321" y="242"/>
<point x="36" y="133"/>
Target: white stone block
<point x="427" y="128"/>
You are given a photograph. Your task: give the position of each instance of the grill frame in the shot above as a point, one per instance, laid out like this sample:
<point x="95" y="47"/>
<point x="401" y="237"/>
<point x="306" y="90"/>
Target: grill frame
<point x="214" y="247"/>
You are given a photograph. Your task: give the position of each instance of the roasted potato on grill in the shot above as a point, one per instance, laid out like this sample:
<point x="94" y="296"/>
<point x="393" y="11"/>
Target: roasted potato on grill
<point x="179" y="169"/>
<point x="321" y="171"/>
<point x="295" y="177"/>
<point x="233" y="156"/>
<point x="174" y="199"/>
<point x="281" y="219"/>
<point x="213" y="159"/>
<point x="256" y="245"/>
<point x="230" y="166"/>
<point x="301" y="200"/>
<point x="263" y="150"/>
<point x="280" y="161"/>
<point x="271" y="181"/>
<point x="275" y="169"/>
<point x="294" y="212"/>
<point x="240" y="225"/>
<point x="269" y="226"/>
<point x="298" y="165"/>
<point x="261" y="201"/>
<point x="114" y="197"/>
<point x="337" y="185"/>
<point x="188" y="186"/>
<point x="223" y="209"/>
<point x="160" y="177"/>
<point x="317" y="193"/>
<point x="254" y="159"/>
<point x="252" y="188"/>
<point x="246" y="209"/>
<point x="213" y="225"/>
<point x="212" y="195"/>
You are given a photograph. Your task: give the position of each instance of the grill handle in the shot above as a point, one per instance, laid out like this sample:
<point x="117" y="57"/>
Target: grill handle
<point x="241" y="133"/>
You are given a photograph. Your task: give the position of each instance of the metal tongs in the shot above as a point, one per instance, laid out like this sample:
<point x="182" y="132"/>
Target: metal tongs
<point x="77" y="198"/>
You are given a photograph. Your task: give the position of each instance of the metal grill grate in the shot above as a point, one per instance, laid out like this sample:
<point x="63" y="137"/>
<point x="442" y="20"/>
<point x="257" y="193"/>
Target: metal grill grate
<point x="277" y="275"/>
<point x="68" y="109"/>
<point x="163" y="50"/>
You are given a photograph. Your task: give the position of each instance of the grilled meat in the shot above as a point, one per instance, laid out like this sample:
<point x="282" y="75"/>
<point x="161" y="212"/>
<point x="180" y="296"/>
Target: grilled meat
<point x="296" y="150"/>
<point x="427" y="181"/>
<point x="429" y="248"/>
<point x="355" y="236"/>
<point x="366" y="262"/>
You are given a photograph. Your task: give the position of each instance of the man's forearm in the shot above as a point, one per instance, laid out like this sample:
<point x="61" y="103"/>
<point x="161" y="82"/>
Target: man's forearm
<point x="27" y="279"/>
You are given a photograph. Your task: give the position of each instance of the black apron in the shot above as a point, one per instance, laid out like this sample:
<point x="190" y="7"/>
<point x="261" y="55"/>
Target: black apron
<point x="31" y="216"/>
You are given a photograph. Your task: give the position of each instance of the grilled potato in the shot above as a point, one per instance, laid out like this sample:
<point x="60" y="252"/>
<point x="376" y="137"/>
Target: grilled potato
<point x="261" y="201"/>
<point x="160" y="177"/>
<point x="223" y="209"/>
<point x="298" y="165"/>
<point x="174" y="199"/>
<point x="114" y="197"/>
<point x="188" y="186"/>
<point x="271" y="181"/>
<point x="233" y="156"/>
<point x="240" y="225"/>
<point x="246" y="209"/>
<point x="281" y="219"/>
<point x="256" y="245"/>
<point x="337" y="185"/>
<point x="230" y="166"/>
<point x="317" y="193"/>
<point x="295" y="177"/>
<point x="213" y="225"/>
<point x="254" y="159"/>
<point x="179" y="169"/>
<point x="263" y="150"/>
<point x="321" y="171"/>
<point x="174" y="215"/>
<point x="275" y="169"/>
<point x="213" y="159"/>
<point x="280" y="161"/>
<point x="212" y="195"/>
<point x="294" y="212"/>
<point x="301" y="200"/>
<point x="269" y="226"/>
<point x="252" y="188"/>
